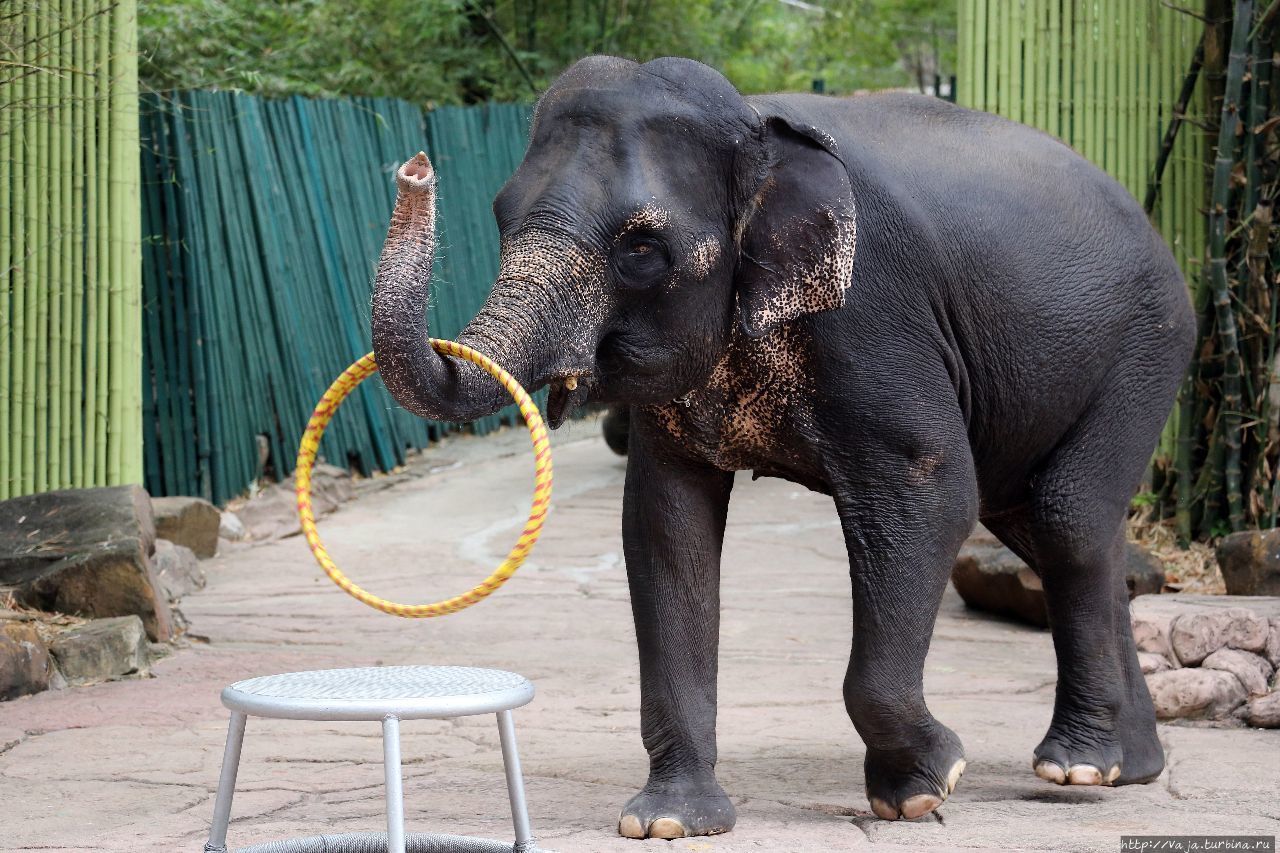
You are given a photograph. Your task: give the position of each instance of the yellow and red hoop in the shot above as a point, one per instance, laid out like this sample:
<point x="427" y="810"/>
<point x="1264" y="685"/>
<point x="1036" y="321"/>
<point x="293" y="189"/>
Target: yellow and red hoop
<point x="310" y="444"/>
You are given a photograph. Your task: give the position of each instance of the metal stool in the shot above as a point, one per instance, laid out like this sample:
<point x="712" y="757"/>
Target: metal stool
<point x="388" y="694"/>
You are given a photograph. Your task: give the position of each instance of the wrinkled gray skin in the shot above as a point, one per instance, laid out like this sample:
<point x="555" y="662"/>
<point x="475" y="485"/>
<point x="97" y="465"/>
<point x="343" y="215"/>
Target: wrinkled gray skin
<point x="932" y="315"/>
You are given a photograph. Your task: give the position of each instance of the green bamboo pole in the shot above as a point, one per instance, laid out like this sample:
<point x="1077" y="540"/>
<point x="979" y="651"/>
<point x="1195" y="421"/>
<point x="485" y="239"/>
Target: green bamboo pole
<point x="1121" y="123"/>
<point x="1085" y="99"/>
<point x="1218" y="215"/>
<point x="1107" y="92"/>
<point x="8" y="203"/>
<point x="117" y="323"/>
<point x="130" y="225"/>
<point x="1053" y="81"/>
<point x="18" y="262"/>
<point x="80" y="122"/>
<point x="964" y="52"/>
<point x="45" y="23"/>
<point x="1067" y="71"/>
<point x="102" y="198"/>
<point x="31" y="259"/>
<point x="67" y="368"/>
<point x="992" y="48"/>
<point x="92" y="260"/>
<point x="1019" y="79"/>
<point x="978" y="65"/>
<point x="58" y="250"/>
<point x="1010" y="88"/>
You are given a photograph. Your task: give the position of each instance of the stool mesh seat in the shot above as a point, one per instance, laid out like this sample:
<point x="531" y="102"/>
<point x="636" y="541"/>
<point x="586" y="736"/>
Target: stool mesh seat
<point x="371" y="693"/>
<point x="387" y="695"/>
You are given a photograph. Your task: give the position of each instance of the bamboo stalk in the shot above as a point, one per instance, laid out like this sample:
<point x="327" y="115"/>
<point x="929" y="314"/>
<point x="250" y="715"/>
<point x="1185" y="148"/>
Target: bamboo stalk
<point x="51" y="437"/>
<point x="1086" y="97"/>
<point x="92" y="262"/>
<point x="1218" y="213"/>
<point x="992" y="48"/>
<point x="102" y="196"/>
<point x="130" y="237"/>
<point x="82" y="130"/>
<point x="67" y="369"/>
<point x="8" y="207"/>
<point x="117" y="324"/>
<point x="30" y="261"/>
<point x="1175" y="124"/>
<point x="1069" y="69"/>
<point x="1009" y="84"/>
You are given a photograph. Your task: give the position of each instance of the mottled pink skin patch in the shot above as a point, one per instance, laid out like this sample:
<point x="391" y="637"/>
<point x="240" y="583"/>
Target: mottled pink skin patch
<point x="757" y="389"/>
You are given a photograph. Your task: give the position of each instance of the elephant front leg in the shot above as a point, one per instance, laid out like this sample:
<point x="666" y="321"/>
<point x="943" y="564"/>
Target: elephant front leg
<point x="673" y="528"/>
<point x="902" y="535"/>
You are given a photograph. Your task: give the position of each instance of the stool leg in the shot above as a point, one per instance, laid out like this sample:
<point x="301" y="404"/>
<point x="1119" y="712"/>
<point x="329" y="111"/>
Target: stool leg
<point x="226" y="785"/>
<point x="395" y="786"/>
<point x="515" y="782"/>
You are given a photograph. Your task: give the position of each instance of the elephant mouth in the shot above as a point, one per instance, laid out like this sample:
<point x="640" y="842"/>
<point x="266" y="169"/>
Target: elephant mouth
<point x="565" y="394"/>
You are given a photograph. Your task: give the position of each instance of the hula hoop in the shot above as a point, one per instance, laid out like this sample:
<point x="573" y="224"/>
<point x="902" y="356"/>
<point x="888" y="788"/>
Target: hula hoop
<point x="338" y="391"/>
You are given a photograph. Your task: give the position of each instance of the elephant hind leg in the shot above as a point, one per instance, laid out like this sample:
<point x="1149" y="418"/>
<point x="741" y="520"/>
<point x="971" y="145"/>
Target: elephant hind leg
<point x="1071" y="531"/>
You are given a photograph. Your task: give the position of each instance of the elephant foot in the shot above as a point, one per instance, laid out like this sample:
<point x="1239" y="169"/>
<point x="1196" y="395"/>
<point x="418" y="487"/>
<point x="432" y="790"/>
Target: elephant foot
<point x="1079" y="753"/>
<point x="909" y="784"/>
<point x="677" y="810"/>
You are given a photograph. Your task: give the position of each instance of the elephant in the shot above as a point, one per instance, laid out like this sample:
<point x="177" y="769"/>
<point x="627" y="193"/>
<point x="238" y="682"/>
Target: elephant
<point x="932" y="315"/>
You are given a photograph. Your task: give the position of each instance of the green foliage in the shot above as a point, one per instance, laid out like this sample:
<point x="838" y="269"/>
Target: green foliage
<point x="463" y="51"/>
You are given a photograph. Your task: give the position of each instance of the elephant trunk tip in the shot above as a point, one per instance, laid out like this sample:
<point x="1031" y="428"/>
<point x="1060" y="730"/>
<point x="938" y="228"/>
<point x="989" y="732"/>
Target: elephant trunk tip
<point x="416" y="175"/>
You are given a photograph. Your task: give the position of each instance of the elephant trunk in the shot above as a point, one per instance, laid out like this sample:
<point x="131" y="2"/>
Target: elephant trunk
<point x="513" y="328"/>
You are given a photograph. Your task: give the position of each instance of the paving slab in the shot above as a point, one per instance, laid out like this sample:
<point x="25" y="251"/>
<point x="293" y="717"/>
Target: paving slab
<point x="132" y="765"/>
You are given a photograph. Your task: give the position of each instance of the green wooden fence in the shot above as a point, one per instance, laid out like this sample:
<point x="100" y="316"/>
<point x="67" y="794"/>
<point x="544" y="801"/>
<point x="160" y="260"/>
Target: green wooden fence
<point x="70" y="343"/>
<point x="264" y="220"/>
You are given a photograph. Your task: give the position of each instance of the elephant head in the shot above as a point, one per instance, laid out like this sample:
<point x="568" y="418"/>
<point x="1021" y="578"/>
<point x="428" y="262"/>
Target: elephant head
<point x="654" y="209"/>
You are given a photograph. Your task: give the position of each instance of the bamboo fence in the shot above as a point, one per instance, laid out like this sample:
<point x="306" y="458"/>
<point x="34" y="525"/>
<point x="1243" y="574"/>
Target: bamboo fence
<point x="1104" y="76"/>
<point x="70" y="333"/>
<point x="264" y="220"/>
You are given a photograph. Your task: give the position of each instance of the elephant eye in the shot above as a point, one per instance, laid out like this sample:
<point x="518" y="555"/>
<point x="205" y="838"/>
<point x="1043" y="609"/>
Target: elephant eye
<point x="641" y="260"/>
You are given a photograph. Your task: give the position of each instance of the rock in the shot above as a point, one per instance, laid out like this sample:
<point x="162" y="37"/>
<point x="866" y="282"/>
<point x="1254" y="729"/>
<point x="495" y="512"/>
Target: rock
<point x="24" y="660"/>
<point x="990" y="577"/>
<point x="1252" y="670"/>
<point x="102" y="650"/>
<point x="177" y="569"/>
<point x="84" y="552"/>
<point x="230" y="527"/>
<point x="1196" y="693"/>
<point x="273" y="513"/>
<point x="1272" y="652"/>
<point x="1144" y="573"/>
<point x="1250" y="562"/>
<point x="1263" y="712"/>
<point x="1229" y="621"/>
<point x="1194" y="636"/>
<point x="1151" y="662"/>
<point x="192" y="522"/>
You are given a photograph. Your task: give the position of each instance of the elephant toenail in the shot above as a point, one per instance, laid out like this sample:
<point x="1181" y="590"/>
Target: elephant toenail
<point x="920" y="804"/>
<point x="666" y="827"/>
<point x="1050" y="772"/>
<point x="957" y="770"/>
<point x="1084" y="774"/>
<point x="629" y="827"/>
<point x="883" y="809"/>
<point x="1113" y="774"/>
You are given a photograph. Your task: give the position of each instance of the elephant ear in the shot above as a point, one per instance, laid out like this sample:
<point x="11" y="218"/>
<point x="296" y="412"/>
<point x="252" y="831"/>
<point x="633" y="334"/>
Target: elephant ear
<point x="797" y="239"/>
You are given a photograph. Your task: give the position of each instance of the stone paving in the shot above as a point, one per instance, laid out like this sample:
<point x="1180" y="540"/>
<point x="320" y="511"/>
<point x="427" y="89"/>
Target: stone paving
<point x="132" y="765"/>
